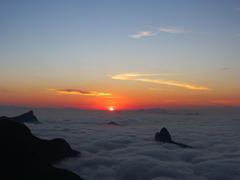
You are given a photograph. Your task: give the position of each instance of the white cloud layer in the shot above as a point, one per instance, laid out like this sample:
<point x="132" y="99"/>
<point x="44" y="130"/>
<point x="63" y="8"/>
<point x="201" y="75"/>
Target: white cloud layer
<point x="129" y="152"/>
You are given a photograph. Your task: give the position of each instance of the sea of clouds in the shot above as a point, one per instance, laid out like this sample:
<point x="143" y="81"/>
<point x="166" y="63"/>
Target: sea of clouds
<point x="128" y="151"/>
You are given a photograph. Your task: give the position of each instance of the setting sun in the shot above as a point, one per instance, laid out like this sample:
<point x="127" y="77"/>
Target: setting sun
<point x="111" y="108"/>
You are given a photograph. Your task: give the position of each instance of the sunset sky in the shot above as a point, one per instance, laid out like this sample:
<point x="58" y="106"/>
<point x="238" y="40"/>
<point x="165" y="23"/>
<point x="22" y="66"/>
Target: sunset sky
<point x="96" y="54"/>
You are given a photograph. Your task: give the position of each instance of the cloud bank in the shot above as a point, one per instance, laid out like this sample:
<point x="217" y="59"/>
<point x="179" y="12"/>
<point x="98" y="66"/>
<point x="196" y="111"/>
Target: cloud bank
<point x="129" y="152"/>
<point x="142" y="78"/>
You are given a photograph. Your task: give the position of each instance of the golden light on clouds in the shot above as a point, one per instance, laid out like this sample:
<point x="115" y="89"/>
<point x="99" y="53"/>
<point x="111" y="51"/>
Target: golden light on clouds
<point x="142" y="78"/>
<point x="80" y="92"/>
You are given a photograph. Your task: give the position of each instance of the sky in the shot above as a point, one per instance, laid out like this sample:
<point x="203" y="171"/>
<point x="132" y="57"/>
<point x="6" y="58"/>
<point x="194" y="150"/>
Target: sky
<point x="124" y="54"/>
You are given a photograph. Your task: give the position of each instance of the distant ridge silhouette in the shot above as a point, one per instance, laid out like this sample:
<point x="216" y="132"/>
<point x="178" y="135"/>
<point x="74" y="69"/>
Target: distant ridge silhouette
<point x="27" y="117"/>
<point x="113" y="123"/>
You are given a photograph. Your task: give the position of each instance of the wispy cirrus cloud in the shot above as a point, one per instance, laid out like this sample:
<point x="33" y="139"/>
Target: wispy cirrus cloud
<point x="174" y="30"/>
<point x="80" y="92"/>
<point x="147" y="78"/>
<point x="223" y="69"/>
<point x="156" y="31"/>
<point x="143" y="34"/>
<point x="4" y="91"/>
<point x="225" y="101"/>
<point x="129" y="76"/>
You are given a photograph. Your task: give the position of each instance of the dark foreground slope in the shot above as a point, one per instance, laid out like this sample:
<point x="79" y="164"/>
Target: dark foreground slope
<point x="24" y="156"/>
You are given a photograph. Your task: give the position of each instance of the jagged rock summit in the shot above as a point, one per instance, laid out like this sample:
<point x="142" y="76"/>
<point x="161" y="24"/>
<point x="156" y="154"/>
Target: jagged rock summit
<point x="165" y="137"/>
<point x="27" y="117"/>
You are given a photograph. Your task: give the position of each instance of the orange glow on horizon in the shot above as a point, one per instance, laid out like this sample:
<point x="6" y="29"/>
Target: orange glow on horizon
<point x="139" y="97"/>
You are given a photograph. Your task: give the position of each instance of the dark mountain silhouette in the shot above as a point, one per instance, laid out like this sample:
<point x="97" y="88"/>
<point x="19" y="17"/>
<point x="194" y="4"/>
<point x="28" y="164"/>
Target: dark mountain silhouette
<point x="165" y="137"/>
<point x="27" y="117"/>
<point x="27" y="157"/>
<point x="193" y="114"/>
<point x="113" y="123"/>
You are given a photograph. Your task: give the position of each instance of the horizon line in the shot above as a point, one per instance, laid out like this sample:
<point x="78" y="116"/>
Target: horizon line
<point x="123" y="109"/>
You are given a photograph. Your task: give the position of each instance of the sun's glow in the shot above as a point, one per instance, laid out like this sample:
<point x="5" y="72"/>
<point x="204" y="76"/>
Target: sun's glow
<point x="111" y="108"/>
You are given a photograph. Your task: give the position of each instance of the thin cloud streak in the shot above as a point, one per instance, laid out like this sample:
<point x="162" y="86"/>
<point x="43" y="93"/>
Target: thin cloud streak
<point x="170" y="30"/>
<point x="174" y="83"/>
<point x="224" y="69"/>
<point x="4" y="91"/>
<point x="128" y="76"/>
<point x="143" y="34"/>
<point x="140" y="77"/>
<point x="173" y="30"/>
<point x="80" y="92"/>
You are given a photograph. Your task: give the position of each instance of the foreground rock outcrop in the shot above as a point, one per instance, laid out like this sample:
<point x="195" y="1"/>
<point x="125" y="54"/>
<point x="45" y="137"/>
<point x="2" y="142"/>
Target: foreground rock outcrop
<point x="165" y="137"/>
<point x="24" y="156"/>
<point x="27" y="117"/>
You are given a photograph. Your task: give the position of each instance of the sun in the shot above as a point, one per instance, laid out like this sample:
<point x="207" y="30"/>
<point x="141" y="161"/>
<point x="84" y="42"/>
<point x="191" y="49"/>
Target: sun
<point x="111" y="108"/>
